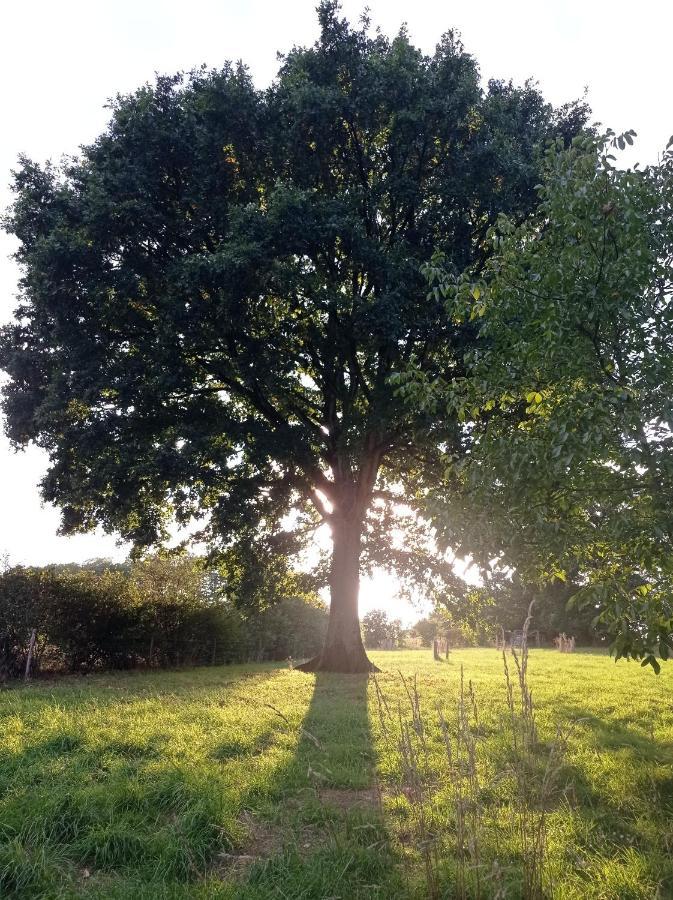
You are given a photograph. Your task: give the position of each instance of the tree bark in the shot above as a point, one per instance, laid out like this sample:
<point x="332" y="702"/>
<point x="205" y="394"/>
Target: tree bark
<point x="343" y="650"/>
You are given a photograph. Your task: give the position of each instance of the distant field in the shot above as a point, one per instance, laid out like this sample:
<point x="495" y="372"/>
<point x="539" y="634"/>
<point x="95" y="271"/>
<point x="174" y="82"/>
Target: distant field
<point x="259" y="782"/>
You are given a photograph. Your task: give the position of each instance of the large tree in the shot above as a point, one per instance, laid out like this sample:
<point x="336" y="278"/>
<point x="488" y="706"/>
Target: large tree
<point x="217" y="291"/>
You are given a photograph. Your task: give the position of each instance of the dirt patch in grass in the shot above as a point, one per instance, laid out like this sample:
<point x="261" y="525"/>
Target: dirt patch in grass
<point x="312" y="838"/>
<point x="347" y="798"/>
<point x="262" y="842"/>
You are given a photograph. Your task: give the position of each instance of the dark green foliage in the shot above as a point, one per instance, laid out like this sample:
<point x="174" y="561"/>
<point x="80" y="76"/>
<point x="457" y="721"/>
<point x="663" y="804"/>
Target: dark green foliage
<point x="21" y="604"/>
<point x="379" y="630"/>
<point x="505" y="600"/>
<point x="566" y="398"/>
<point x="157" y="612"/>
<point x="294" y="627"/>
<point x="426" y="630"/>
<point x="216" y="292"/>
<point x="502" y="602"/>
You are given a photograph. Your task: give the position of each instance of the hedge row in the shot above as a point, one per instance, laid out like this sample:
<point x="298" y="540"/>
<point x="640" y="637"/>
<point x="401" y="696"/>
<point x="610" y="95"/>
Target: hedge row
<point x="157" y="613"/>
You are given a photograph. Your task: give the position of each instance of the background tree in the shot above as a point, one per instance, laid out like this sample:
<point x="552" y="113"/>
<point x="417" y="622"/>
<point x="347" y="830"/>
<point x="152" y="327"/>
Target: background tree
<point x="567" y="397"/>
<point x="503" y="602"/>
<point x="425" y="629"/>
<point x="378" y="629"/>
<point x="217" y="291"/>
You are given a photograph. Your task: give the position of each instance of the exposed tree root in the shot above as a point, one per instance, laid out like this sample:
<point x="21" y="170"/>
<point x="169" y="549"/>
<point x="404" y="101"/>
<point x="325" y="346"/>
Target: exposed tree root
<point x="338" y="662"/>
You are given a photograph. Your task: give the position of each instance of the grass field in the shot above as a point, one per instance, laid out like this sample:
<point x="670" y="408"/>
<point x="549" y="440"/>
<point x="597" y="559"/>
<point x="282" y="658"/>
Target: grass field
<point x="262" y="782"/>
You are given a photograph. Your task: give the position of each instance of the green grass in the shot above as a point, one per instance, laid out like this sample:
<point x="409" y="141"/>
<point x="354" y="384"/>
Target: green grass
<point x="155" y="785"/>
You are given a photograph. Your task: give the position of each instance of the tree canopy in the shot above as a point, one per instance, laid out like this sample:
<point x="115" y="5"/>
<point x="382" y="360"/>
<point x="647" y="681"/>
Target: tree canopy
<point x="566" y="401"/>
<point x="379" y="629"/>
<point x="217" y="291"/>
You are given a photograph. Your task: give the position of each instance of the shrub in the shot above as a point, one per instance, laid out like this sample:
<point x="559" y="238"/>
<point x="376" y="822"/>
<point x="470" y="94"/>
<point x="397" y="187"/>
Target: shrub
<point x="161" y="611"/>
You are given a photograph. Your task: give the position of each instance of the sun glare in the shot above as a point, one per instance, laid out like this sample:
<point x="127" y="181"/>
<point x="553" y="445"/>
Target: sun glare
<point x="382" y="591"/>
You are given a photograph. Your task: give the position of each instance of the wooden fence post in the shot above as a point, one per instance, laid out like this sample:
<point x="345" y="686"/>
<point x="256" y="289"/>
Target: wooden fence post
<point x="31" y="647"/>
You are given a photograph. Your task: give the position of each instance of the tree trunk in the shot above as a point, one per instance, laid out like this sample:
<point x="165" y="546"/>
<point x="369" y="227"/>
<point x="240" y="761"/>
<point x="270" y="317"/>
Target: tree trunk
<point x="343" y="650"/>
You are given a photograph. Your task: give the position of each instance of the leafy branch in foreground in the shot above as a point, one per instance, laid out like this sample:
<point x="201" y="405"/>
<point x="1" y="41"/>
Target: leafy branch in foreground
<point x="567" y="400"/>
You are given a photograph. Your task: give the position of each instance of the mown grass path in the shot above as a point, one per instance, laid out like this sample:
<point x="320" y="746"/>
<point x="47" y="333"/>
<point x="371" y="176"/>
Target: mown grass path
<point x="261" y="782"/>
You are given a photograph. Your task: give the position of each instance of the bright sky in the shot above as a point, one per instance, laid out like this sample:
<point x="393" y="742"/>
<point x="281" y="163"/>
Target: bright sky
<point x="60" y="61"/>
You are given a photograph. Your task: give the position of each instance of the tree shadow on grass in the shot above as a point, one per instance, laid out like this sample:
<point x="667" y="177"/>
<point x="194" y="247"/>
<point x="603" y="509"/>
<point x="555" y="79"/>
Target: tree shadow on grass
<point x="611" y="734"/>
<point x="195" y="785"/>
<point x="618" y="783"/>
<point x="325" y="808"/>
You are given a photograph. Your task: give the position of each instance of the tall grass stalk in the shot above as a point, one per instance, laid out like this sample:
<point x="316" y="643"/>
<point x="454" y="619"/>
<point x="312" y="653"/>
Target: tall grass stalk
<point x="536" y="774"/>
<point x="421" y="774"/>
<point x="417" y="783"/>
<point x="463" y="775"/>
<point x="451" y="831"/>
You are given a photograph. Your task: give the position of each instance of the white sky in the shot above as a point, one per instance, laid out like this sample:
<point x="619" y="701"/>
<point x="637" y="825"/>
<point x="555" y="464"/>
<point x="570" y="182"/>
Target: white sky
<point x="59" y="61"/>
